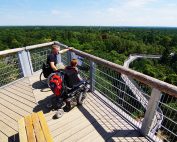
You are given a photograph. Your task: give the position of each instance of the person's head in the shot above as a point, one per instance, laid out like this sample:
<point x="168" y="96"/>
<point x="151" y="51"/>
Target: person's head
<point x="55" y="48"/>
<point x="74" y="62"/>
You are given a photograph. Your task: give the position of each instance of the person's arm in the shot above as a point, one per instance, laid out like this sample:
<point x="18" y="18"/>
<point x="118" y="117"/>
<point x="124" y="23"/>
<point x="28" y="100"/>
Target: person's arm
<point x="65" y="50"/>
<point x="53" y="66"/>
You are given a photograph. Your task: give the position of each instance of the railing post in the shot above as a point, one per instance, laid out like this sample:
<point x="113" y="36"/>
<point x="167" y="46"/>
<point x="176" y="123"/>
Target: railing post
<point x="68" y="57"/>
<point x="59" y="60"/>
<point x="92" y="76"/>
<point x="30" y="61"/>
<point x="151" y="111"/>
<point x="25" y="63"/>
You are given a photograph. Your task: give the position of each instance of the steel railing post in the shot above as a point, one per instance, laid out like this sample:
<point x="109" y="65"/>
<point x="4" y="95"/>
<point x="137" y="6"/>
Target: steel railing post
<point x="151" y="111"/>
<point x="68" y="57"/>
<point x="25" y="63"/>
<point x="92" y="76"/>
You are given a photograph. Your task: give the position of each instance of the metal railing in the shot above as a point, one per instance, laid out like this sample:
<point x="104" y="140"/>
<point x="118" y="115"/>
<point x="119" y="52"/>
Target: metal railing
<point x="151" y="119"/>
<point x="105" y="78"/>
<point x="139" y="93"/>
<point x="10" y="67"/>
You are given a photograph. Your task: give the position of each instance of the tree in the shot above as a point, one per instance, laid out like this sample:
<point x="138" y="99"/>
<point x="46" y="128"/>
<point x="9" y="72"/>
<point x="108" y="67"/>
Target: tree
<point x="165" y="56"/>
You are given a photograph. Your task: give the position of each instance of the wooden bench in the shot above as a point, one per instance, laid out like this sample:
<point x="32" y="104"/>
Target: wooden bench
<point x="34" y="128"/>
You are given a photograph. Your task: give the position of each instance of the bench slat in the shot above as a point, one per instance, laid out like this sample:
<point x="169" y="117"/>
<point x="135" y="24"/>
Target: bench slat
<point x="37" y="128"/>
<point x="29" y="129"/>
<point x="45" y="128"/>
<point x="22" y="130"/>
<point x="34" y="128"/>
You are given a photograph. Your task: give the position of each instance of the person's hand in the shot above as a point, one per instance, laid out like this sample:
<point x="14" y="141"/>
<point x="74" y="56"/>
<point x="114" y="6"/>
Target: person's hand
<point x="70" y="48"/>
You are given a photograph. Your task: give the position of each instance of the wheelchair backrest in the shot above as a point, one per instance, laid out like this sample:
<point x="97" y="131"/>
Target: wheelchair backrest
<point x="46" y="69"/>
<point x="71" y="77"/>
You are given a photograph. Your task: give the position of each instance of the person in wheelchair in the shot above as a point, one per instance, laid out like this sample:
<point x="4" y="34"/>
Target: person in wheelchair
<point x="72" y="76"/>
<point x="52" y="60"/>
<point x="68" y="87"/>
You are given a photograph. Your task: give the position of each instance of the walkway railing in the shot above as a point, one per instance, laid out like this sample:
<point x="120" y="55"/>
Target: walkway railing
<point x="105" y="78"/>
<point x="139" y="93"/>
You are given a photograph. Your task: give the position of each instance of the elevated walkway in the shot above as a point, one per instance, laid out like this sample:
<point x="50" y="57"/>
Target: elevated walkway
<point x="113" y="111"/>
<point x="139" y="93"/>
<point x="94" y="121"/>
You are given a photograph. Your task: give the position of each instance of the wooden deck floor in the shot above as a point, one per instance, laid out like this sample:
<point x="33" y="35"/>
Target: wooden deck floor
<point x="95" y="121"/>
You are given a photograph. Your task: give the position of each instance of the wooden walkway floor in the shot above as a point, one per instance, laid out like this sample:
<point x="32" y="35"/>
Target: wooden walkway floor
<point x="92" y="122"/>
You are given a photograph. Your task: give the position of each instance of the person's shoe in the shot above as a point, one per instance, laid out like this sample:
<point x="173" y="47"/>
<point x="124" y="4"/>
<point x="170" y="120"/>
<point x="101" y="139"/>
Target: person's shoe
<point x="59" y="113"/>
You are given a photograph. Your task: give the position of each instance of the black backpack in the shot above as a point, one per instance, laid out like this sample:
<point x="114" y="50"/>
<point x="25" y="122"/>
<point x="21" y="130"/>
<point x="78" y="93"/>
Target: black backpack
<point x="47" y="70"/>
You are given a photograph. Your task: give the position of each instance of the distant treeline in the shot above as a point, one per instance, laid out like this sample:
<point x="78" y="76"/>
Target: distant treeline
<point x="111" y="43"/>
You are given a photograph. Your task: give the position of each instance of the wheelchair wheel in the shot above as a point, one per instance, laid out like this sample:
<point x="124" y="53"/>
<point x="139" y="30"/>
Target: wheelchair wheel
<point x="49" y="77"/>
<point x="43" y="80"/>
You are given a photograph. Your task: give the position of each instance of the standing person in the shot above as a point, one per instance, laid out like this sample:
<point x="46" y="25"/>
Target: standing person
<point x="52" y="58"/>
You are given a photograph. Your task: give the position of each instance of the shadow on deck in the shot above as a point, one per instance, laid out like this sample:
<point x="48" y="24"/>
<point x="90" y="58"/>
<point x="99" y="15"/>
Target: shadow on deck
<point x="94" y="121"/>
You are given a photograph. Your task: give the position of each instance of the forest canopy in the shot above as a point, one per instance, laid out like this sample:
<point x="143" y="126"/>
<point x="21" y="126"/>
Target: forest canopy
<point x="112" y="43"/>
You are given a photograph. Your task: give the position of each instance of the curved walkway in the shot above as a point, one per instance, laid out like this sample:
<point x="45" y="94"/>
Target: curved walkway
<point x="137" y="91"/>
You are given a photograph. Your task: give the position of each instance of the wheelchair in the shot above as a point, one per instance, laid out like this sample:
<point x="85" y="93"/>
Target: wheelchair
<point x="71" y="90"/>
<point x="46" y="71"/>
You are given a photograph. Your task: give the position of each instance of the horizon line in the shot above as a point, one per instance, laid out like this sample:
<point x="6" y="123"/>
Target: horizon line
<point x="87" y="26"/>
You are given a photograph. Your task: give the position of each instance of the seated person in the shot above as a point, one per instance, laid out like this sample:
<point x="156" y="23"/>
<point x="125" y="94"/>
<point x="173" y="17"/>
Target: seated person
<point x="72" y="76"/>
<point x="52" y="58"/>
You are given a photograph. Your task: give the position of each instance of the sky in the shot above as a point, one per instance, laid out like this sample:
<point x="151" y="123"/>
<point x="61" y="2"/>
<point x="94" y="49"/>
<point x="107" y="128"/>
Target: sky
<point x="161" y="13"/>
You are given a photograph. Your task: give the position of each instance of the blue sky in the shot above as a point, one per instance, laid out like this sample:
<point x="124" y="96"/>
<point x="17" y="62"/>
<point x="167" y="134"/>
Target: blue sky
<point x="89" y="12"/>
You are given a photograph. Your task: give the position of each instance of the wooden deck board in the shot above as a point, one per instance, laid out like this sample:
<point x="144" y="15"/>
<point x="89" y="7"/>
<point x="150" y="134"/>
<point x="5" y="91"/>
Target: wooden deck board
<point x="15" y="108"/>
<point x="10" y="113"/>
<point x="22" y="91"/>
<point x="16" y="102"/>
<point x="7" y="130"/>
<point x="7" y="120"/>
<point x="83" y="133"/>
<point x="17" y="97"/>
<point x="26" y="85"/>
<point x="26" y="80"/>
<point x="27" y="88"/>
<point x="20" y="94"/>
<point x="93" y="121"/>
<point x="3" y="137"/>
<point x="91" y="137"/>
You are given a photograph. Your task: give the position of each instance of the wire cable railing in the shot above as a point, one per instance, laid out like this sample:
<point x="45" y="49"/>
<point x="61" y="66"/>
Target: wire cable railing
<point x="10" y="68"/>
<point x="138" y="92"/>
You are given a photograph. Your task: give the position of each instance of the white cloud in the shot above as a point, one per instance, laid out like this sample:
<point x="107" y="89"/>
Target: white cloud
<point x="137" y="3"/>
<point x="55" y="12"/>
<point x="113" y="13"/>
<point x="137" y="13"/>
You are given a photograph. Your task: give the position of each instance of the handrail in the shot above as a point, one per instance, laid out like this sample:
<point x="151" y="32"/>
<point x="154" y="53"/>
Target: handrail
<point x="39" y="45"/>
<point x="152" y="55"/>
<point x="155" y="83"/>
<point x="10" y="51"/>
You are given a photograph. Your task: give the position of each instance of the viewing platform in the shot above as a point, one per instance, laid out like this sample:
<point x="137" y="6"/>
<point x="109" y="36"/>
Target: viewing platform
<point x="111" y="112"/>
<point x="94" y="121"/>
